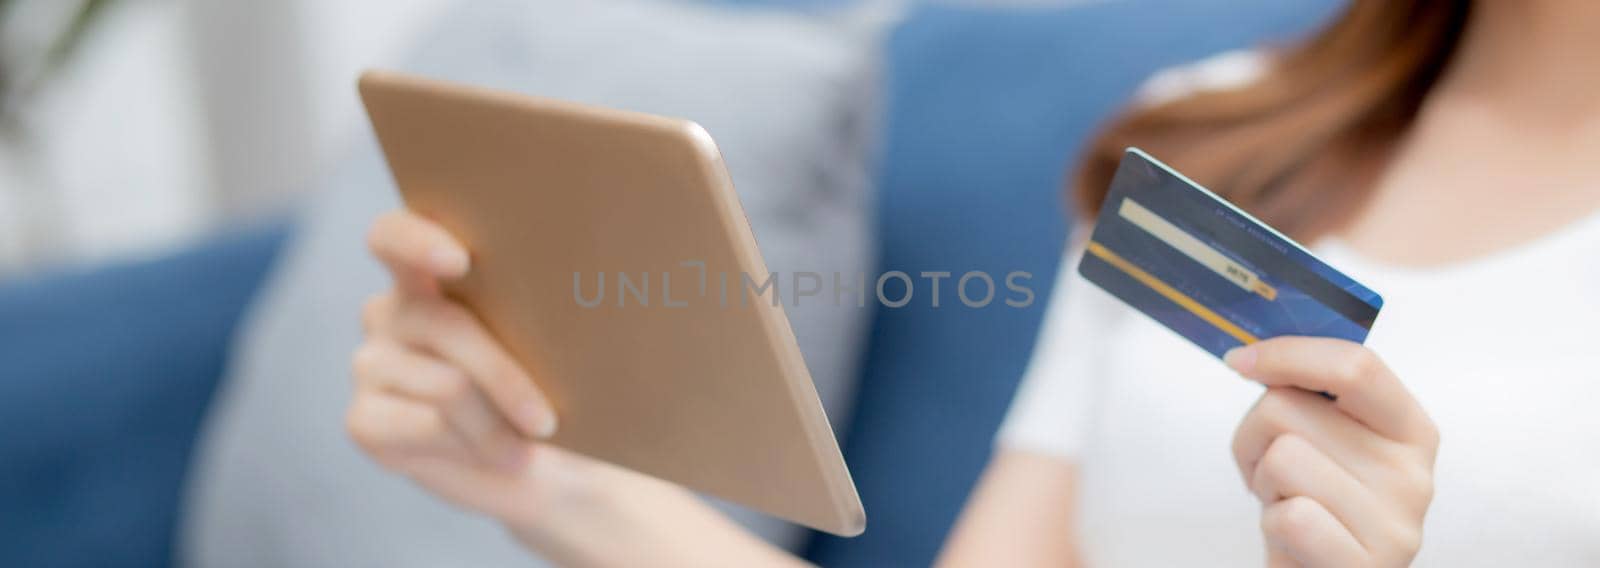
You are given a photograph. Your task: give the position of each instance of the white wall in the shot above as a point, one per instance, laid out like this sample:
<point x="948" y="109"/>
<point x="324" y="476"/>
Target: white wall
<point x="279" y="82"/>
<point x="182" y="115"/>
<point x="106" y="162"/>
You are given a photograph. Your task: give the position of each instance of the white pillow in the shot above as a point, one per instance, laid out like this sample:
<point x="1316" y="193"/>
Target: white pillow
<point x="788" y="98"/>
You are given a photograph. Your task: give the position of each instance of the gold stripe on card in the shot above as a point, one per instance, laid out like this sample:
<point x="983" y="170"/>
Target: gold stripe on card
<point x="1171" y="293"/>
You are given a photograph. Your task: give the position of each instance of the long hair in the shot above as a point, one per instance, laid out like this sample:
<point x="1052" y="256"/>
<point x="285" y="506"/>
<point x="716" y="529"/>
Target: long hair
<point x="1289" y="146"/>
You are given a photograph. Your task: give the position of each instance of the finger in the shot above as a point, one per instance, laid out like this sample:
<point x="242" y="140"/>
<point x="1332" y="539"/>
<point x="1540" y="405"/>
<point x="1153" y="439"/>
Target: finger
<point x="455" y="335"/>
<point x="416" y="251"/>
<point x="395" y="430"/>
<point x="1304" y="530"/>
<point x="386" y="365"/>
<point x="1286" y="410"/>
<point x="1362" y="385"/>
<point x="377" y="313"/>
<point x="1292" y="467"/>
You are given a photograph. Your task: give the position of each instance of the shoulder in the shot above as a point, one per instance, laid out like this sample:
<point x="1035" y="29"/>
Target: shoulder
<point x="1227" y="70"/>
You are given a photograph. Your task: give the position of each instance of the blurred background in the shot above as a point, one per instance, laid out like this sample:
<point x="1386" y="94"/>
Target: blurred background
<point x="128" y="126"/>
<point x="184" y="185"/>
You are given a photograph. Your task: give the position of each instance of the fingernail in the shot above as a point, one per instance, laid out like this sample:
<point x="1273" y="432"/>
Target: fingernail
<point x="547" y="426"/>
<point x="448" y="262"/>
<point x="542" y="419"/>
<point x="1241" y="359"/>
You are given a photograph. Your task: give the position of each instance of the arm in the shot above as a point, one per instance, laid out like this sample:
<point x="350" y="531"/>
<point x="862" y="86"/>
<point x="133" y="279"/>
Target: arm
<point x="1021" y="514"/>
<point x="439" y="400"/>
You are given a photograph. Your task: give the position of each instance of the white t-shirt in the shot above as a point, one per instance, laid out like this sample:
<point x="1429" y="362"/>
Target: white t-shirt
<point x="1503" y="352"/>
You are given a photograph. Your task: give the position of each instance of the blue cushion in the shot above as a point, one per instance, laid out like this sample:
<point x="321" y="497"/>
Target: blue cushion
<point x="104" y="377"/>
<point x="987" y="109"/>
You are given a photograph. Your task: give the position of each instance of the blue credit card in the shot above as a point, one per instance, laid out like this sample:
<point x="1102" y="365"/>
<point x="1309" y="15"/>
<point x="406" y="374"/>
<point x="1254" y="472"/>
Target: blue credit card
<point x="1211" y="272"/>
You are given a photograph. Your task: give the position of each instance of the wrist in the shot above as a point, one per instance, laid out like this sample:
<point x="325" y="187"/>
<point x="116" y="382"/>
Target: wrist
<point x="615" y="517"/>
<point x="592" y="513"/>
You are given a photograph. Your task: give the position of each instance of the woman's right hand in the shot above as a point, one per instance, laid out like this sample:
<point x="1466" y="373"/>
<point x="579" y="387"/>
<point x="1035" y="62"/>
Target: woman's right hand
<point x="1344" y="478"/>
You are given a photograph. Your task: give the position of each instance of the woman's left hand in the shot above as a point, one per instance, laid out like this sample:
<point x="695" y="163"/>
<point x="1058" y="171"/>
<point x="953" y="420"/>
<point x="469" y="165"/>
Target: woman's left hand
<point x="1344" y="479"/>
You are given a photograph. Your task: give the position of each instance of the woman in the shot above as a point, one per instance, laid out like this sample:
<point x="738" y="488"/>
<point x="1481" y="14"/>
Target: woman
<point x="1442" y="151"/>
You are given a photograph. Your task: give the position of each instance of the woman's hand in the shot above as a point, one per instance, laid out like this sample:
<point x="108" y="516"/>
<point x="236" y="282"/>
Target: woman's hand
<point x="436" y="398"/>
<point x="1345" y="478"/>
<point x="439" y="400"/>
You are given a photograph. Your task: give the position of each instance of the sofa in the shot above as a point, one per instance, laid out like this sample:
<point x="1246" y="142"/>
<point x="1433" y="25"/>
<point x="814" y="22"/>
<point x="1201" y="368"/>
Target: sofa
<point x="105" y="373"/>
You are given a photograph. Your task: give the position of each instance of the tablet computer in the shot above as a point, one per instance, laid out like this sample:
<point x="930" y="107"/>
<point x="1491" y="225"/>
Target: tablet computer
<point x="611" y="257"/>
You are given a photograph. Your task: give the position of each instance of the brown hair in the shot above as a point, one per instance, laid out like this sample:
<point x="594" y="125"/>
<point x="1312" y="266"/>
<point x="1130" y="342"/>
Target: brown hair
<point x="1288" y="147"/>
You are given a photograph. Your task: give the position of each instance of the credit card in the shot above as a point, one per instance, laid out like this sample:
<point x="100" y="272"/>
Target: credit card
<point x="1210" y="272"/>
